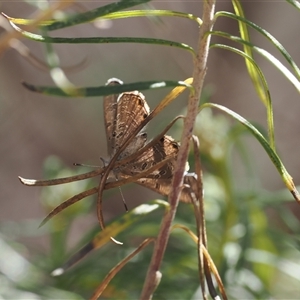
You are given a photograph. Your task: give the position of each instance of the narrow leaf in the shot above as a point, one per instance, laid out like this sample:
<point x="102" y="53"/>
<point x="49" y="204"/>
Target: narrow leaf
<point x="287" y="179"/>
<point x="93" y="14"/>
<point x="113" y="229"/>
<point x="105" y="90"/>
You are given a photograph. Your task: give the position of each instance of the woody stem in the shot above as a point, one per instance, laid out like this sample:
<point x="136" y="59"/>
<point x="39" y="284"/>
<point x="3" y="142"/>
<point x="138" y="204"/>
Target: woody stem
<point x="200" y="66"/>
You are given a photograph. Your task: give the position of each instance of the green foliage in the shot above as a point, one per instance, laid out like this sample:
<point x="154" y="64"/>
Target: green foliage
<point x="256" y="258"/>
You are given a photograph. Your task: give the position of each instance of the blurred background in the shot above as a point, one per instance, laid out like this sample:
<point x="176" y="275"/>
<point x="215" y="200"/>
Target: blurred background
<point x="34" y="127"/>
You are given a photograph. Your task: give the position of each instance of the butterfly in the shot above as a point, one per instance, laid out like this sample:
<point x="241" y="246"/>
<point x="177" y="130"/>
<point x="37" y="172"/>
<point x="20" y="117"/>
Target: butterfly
<point x="148" y="163"/>
<point x="124" y="117"/>
<point x="123" y="114"/>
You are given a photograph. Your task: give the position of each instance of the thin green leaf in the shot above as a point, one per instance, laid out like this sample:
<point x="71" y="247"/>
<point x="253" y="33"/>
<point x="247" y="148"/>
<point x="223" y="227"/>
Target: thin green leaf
<point x="105" y="90"/>
<point x="266" y="34"/>
<point x="293" y="79"/>
<point x="93" y="14"/>
<point x="25" y="22"/>
<point x="121" y="15"/>
<point x="287" y="179"/>
<point x="127" y="220"/>
<point x="113" y="229"/>
<point x="148" y="13"/>
<point x="264" y="84"/>
<point x="57" y="74"/>
<point x="285" y="71"/>
<point x="294" y="3"/>
<point x="248" y="50"/>
<point x="100" y="40"/>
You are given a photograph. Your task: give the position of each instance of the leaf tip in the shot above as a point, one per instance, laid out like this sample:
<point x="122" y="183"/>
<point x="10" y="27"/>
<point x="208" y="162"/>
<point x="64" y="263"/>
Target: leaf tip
<point x="5" y="15"/>
<point x="296" y="195"/>
<point x="57" y="272"/>
<point x="116" y="241"/>
<point x="30" y="87"/>
<point x="27" y="181"/>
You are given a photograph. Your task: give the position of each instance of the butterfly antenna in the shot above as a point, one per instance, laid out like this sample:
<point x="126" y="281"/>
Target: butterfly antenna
<point x="103" y="161"/>
<point x="89" y="166"/>
<point x="84" y="165"/>
<point x="123" y="199"/>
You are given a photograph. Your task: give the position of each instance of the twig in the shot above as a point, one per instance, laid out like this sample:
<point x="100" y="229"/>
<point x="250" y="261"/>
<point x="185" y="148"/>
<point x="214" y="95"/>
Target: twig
<point x="200" y="65"/>
<point x="117" y="268"/>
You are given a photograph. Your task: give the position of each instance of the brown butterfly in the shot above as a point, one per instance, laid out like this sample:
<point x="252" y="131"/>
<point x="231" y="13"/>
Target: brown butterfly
<point x="149" y="164"/>
<point x="123" y="114"/>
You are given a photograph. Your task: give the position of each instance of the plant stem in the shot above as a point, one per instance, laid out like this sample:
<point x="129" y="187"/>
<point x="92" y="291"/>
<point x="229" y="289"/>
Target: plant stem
<point x="200" y="66"/>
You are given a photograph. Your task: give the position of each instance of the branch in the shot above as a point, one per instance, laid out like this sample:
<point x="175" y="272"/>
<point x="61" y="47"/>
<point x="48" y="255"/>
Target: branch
<point x="200" y="66"/>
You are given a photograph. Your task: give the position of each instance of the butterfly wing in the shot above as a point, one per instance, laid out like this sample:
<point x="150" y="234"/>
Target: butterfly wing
<point x="125" y="113"/>
<point x="110" y="113"/>
<point x="160" y="179"/>
<point x="132" y="110"/>
<point x="163" y="187"/>
<point x="163" y="148"/>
